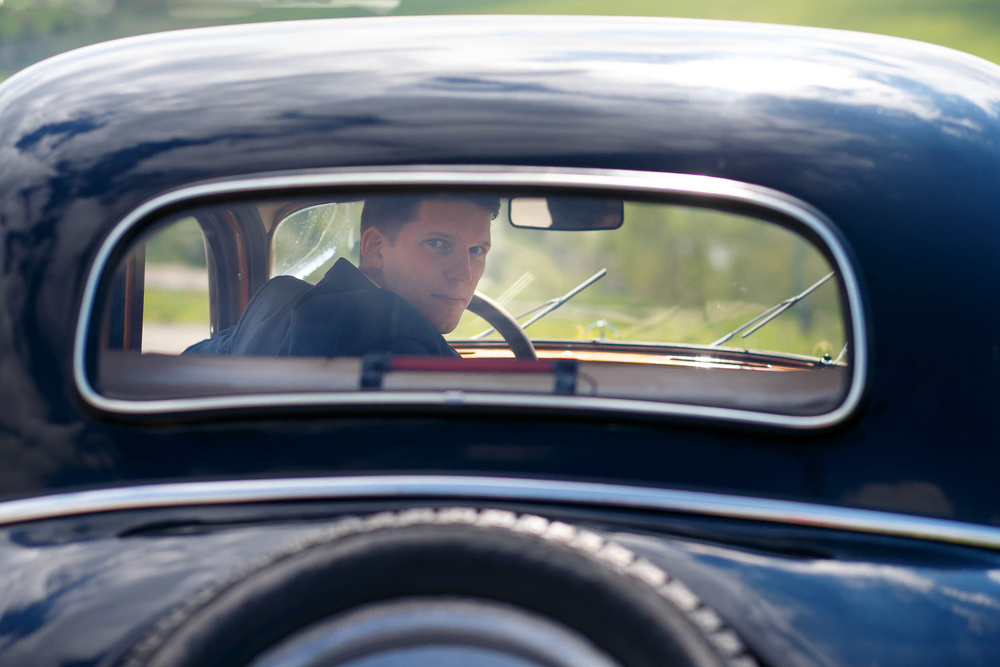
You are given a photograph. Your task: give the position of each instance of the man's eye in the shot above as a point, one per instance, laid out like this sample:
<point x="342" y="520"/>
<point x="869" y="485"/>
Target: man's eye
<point x="478" y="250"/>
<point x="435" y="243"/>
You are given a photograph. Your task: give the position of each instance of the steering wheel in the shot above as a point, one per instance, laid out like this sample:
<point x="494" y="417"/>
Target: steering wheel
<point x="504" y="322"/>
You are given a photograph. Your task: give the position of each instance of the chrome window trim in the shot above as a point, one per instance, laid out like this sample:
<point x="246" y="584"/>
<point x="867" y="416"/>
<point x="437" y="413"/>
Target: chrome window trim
<point x="643" y="183"/>
<point x="435" y="488"/>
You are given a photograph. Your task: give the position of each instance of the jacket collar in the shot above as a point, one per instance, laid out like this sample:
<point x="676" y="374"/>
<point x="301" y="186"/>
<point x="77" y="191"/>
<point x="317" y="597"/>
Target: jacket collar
<point x="345" y="277"/>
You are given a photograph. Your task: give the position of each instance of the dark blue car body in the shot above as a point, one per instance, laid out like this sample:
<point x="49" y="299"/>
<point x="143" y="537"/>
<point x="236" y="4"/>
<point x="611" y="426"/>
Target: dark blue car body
<point x="869" y="542"/>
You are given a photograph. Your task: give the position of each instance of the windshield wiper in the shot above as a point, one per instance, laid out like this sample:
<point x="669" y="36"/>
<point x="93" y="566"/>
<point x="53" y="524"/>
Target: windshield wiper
<point x="771" y="312"/>
<point x="550" y="305"/>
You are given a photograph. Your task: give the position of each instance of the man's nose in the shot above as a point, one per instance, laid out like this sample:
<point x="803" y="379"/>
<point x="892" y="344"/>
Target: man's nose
<point x="460" y="268"/>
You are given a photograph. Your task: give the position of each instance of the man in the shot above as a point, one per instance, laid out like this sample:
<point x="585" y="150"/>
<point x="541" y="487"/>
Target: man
<point x="421" y="260"/>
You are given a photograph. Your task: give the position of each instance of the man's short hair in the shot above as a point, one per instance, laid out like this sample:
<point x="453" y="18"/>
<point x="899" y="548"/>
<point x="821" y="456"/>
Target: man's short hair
<point x="390" y="212"/>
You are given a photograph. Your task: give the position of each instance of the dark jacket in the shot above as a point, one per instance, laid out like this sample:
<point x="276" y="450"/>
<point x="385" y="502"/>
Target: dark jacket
<point x="345" y="314"/>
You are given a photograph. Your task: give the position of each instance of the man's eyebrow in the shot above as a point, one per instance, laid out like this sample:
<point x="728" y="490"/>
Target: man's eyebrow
<point x="444" y="235"/>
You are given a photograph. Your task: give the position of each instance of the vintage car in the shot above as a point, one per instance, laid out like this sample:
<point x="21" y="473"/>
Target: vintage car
<point x="728" y="393"/>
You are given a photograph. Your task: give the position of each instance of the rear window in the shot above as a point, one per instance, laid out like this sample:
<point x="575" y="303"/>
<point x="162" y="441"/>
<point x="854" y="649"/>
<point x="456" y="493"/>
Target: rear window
<point x="562" y="300"/>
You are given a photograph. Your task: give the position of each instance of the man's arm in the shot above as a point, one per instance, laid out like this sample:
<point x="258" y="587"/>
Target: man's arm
<point x="220" y="343"/>
<point x="263" y="324"/>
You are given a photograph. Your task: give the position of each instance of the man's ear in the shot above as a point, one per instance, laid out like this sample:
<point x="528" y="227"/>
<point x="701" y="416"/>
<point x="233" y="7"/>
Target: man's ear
<point x="372" y="242"/>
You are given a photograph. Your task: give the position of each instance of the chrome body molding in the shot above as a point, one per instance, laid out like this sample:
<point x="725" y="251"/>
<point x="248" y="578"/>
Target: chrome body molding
<point x="456" y="488"/>
<point x="695" y="187"/>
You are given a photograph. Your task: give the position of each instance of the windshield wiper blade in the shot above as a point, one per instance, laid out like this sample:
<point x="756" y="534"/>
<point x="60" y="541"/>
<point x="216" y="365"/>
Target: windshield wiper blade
<point x="566" y="297"/>
<point x="551" y="304"/>
<point x="840" y="356"/>
<point x="771" y="312"/>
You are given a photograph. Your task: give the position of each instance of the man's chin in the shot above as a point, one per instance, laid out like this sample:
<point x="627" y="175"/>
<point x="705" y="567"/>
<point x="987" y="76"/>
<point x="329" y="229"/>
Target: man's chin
<point x="445" y="320"/>
<point x="445" y="328"/>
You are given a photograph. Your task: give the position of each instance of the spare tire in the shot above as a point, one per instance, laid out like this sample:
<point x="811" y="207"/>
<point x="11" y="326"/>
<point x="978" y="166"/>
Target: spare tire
<point x="437" y="632"/>
<point x="444" y="586"/>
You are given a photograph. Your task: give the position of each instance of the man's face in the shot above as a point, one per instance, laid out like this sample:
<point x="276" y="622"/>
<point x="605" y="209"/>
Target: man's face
<point x="436" y="261"/>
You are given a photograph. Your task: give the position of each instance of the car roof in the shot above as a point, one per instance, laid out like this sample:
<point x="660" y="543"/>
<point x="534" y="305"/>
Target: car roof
<point x="743" y="101"/>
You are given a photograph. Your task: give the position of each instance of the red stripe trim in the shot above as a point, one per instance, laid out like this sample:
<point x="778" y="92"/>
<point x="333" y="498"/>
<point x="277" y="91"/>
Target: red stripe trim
<point x="438" y="364"/>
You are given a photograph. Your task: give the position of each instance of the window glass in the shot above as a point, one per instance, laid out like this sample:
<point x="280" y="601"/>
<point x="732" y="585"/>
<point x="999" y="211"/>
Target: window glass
<point x="307" y="242"/>
<point x="655" y="302"/>
<point x="175" y="309"/>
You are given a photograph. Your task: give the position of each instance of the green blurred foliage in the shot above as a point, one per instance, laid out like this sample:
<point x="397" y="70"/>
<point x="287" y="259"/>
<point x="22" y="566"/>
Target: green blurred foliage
<point x="180" y="243"/>
<point x="32" y="30"/>
<point x="966" y="25"/>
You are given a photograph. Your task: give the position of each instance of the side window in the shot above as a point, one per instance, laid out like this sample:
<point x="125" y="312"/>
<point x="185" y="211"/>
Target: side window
<point x="307" y="242"/>
<point x="175" y="308"/>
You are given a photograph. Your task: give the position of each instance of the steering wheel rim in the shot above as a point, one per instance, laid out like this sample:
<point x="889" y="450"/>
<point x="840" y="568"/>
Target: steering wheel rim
<point x="501" y="320"/>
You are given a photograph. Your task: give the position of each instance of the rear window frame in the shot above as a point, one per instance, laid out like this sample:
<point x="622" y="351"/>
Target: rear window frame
<point x="704" y="191"/>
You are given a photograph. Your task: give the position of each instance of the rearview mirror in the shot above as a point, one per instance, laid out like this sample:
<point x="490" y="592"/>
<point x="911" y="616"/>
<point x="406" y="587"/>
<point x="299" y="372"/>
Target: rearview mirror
<point x="566" y="213"/>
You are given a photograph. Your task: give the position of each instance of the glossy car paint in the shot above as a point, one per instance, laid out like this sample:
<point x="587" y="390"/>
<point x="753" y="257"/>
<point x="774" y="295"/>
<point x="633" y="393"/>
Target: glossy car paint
<point x="895" y="141"/>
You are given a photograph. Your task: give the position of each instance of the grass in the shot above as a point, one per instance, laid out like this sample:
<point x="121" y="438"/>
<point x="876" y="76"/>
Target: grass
<point x="175" y="306"/>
